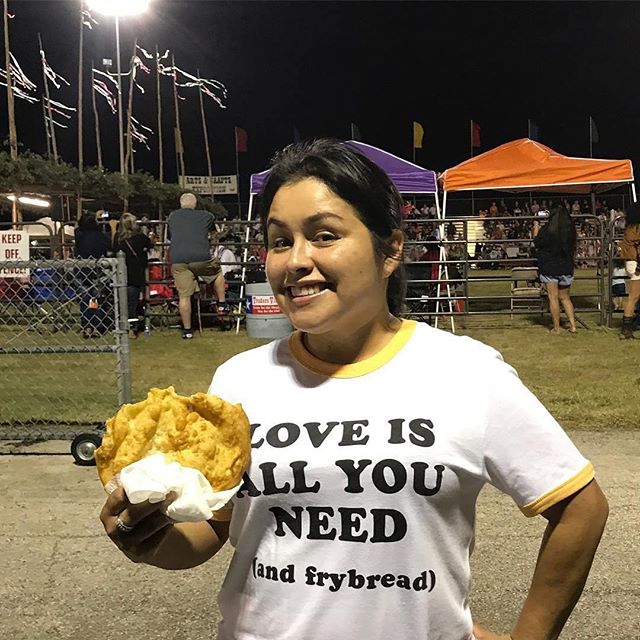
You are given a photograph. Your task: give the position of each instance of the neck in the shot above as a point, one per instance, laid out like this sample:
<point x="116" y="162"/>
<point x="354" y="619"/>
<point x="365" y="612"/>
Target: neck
<point x="357" y="345"/>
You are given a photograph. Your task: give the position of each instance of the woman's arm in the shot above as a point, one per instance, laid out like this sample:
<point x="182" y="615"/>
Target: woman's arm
<point x="569" y="544"/>
<point x="182" y="546"/>
<point x="154" y="539"/>
<point x="566" y="553"/>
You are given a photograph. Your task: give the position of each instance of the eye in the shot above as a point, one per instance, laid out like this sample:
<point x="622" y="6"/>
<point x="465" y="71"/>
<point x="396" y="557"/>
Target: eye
<point x="279" y="243"/>
<point x="325" y="237"/>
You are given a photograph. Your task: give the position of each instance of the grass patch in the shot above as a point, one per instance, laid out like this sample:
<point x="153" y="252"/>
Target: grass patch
<point x="587" y="380"/>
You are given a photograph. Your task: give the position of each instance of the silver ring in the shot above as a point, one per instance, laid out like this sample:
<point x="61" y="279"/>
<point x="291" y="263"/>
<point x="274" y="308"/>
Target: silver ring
<point x="122" y="527"/>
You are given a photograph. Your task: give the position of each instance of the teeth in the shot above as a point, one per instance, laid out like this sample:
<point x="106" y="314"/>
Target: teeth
<point x="306" y="291"/>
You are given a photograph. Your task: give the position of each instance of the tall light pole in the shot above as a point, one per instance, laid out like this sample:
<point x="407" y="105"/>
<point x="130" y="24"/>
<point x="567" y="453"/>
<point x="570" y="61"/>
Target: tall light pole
<point x="119" y="9"/>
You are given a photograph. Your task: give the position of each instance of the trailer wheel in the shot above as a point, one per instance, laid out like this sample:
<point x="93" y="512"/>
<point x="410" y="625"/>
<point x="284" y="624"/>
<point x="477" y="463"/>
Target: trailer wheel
<point x="83" y="448"/>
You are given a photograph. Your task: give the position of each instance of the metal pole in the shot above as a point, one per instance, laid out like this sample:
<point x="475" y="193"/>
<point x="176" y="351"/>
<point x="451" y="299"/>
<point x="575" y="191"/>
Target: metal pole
<point x="96" y="118"/>
<point x="13" y="136"/>
<point x="80" y="78"/>
<point x="120" y="126"/>
<point x="52" y="127"/>
<point x="123" y="353"/>
<point x="206" y="137"/>
<point x="159" y="105"/>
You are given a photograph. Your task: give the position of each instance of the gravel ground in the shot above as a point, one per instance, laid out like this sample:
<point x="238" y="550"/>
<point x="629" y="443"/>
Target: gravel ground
<point x="63" y="579"/>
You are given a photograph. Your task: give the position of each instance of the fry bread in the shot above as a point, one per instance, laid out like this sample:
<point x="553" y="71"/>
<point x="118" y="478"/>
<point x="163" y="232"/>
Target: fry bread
<point x="202" y="431"/>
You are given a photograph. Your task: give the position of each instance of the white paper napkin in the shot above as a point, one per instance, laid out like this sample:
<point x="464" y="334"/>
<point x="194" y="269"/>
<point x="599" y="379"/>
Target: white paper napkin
<point x="153" y="478"/>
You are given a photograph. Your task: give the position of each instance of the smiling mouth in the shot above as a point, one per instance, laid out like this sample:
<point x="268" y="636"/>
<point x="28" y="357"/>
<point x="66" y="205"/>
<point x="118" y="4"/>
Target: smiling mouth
<point x="308" y="291"/>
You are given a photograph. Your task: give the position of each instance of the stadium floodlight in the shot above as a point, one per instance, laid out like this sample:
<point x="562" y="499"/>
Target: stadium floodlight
<point x="119" y="9"/>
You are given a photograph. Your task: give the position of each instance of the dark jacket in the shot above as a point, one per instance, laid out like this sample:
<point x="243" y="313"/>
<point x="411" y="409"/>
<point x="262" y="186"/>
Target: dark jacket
<point x="91" y="243"/>
<point x="552" y="260"/>
<point x="135" y="252"/>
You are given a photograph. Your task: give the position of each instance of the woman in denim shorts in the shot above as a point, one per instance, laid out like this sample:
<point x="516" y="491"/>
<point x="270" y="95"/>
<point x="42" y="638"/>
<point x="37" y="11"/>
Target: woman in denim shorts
<point x="555" y="244"/>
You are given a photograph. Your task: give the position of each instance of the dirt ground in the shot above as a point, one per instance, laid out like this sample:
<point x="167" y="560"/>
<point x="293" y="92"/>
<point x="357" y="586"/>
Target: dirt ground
<point x="62" y="578"/>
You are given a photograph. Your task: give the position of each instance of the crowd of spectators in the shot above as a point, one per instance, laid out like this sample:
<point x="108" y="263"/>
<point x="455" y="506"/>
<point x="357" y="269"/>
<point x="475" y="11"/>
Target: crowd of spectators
<point x="503" y="229"/>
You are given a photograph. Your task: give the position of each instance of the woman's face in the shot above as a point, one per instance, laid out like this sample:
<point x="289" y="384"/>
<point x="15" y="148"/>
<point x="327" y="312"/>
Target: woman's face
<point x="321" y="262"/>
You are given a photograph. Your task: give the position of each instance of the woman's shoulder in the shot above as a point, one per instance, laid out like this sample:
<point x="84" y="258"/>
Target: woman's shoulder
<point x="443" y="344"/>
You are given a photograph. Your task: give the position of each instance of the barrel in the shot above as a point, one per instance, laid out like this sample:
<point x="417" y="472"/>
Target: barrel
<point x="264" y="317"/>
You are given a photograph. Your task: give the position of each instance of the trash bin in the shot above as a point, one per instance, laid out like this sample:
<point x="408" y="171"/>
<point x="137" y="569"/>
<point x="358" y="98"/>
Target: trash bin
<point x="264" y="317"/>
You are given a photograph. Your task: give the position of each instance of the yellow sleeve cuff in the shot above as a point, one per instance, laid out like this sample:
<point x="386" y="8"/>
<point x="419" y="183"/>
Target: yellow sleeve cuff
<point x="566" y="489"/>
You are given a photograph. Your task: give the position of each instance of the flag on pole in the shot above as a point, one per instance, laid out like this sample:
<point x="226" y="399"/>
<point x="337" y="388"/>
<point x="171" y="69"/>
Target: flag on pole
<point x="533" y="130"/>
<point x="593" y="131"/>
<point x="475" y="134"/>
<point x="355" y="132"/>
<point x="418" y="134"/>
<point x="241" y="140"/>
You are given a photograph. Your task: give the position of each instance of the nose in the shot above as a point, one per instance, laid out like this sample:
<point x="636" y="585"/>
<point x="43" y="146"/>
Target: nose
<point x="300" y="258"/>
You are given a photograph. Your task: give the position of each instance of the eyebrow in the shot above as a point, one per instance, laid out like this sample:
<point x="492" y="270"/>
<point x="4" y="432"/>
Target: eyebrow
<point x="316" y="217"/>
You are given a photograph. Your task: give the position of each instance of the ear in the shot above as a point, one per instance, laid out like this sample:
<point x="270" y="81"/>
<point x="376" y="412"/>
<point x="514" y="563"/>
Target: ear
<point x="396" y="243"/>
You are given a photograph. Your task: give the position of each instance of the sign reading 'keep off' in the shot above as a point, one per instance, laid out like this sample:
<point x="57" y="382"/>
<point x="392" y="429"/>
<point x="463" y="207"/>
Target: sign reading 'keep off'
<point x="14" y="245"/>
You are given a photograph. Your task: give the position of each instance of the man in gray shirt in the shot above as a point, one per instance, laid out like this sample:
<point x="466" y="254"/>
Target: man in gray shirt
<point x="190" y="256"/>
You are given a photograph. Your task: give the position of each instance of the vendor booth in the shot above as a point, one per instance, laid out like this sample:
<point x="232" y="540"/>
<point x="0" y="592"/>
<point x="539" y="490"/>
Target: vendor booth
<point x="527" y="165"/>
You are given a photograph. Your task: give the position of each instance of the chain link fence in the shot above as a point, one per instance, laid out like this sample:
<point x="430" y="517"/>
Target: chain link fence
<point x="64" y="349"/>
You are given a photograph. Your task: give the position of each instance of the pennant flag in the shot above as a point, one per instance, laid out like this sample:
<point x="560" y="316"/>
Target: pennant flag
<point x="206" y="86"/>
<point x="21" y="85"/>
<point x="296" y="135"/>
<point x="533" y="130"/>
<point x="418" y="134"/>
<point x="55" y="78"/>
<point x="475" y="134"/>
<point x="138" y="132"/>
<point x="88" y="20"/>
<point x="593" y="131"/>
<point x="241" y="140"/>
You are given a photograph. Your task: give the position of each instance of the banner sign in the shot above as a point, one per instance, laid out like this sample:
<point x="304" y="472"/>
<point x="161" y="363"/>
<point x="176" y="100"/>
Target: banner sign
<point x="220" y="185"/>
<point x="14" y="245"/>
<point x="262" y="305"/>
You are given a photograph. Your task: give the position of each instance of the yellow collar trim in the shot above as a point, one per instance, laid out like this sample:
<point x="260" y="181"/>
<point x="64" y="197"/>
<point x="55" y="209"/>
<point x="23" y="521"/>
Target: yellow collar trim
<point x="357" y="369"/>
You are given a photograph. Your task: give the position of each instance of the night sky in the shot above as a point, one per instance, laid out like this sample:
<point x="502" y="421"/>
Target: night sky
<point x="320" y="65"/>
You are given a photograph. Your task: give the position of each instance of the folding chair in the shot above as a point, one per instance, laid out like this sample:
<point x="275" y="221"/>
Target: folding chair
<point x="526" y="291"/>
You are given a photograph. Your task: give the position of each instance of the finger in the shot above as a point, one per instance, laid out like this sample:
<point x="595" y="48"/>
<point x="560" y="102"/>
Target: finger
<point x="147" y="549"/>
<point x="146" y="529"/>
<point x="115" y="504"/>
<point x="135" y="513"/>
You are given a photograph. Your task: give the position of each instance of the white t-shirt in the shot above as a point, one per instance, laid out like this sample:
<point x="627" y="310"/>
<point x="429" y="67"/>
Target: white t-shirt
<point x="356" y="516"/>
<point x="227" y="257"/>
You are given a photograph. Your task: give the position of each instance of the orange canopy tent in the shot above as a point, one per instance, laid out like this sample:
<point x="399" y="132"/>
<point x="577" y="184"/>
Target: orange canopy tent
<point x="527" y="165"/>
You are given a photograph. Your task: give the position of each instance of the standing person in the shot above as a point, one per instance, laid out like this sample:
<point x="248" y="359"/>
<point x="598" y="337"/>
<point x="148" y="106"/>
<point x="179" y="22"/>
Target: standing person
<point x="190" y="256"/>
<point x="356" y="515"/>
<point x="135" y="245"/>
<point x="91" y="242"/>
<point x="555" y="245"/>
<point x="630" y="252"/>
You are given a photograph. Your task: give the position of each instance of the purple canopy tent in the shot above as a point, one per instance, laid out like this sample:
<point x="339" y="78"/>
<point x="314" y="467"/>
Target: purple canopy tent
<point x="408" y="177"/>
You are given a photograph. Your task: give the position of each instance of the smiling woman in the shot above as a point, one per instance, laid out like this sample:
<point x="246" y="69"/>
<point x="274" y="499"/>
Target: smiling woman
<point x="366" y="465"/>
<point x="332" y="222"/>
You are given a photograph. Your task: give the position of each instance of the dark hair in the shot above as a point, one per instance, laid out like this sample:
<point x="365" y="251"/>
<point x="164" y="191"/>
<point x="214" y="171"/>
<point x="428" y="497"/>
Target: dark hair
<point x="88" y="221"/>
<point x="355" y="179"/>
<point x="632" y="213"/>
<point x="563" y="231"/>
